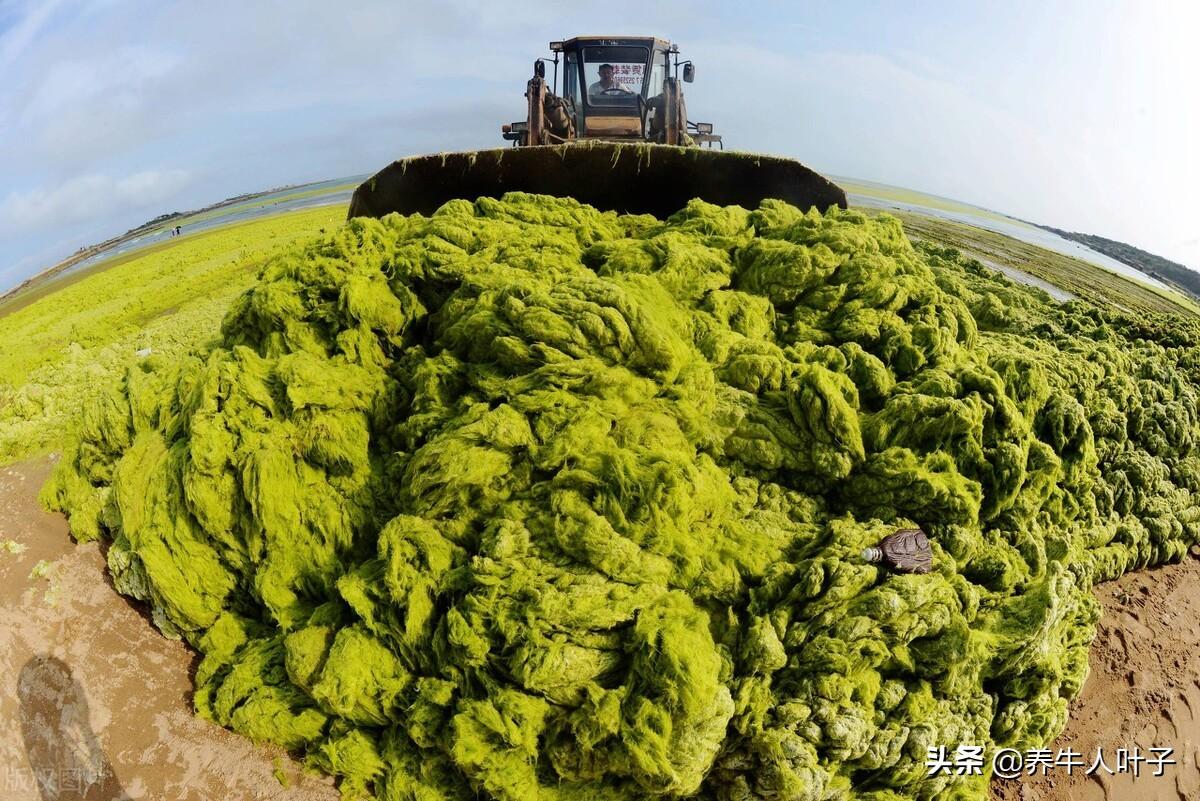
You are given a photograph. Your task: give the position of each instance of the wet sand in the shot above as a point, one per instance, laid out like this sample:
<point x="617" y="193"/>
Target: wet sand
<point x="97" y="703"/>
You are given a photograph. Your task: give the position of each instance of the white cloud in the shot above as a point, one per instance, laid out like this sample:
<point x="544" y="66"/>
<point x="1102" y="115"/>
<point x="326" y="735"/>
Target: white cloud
<point x="98" y="104"/>
<point x="31" y="18"/>
<point x="88" y="196"/>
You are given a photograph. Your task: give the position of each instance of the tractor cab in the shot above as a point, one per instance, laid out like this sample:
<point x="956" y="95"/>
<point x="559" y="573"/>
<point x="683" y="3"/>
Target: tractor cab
<point x="609" y="82"/>
<point x="615" y="88"/>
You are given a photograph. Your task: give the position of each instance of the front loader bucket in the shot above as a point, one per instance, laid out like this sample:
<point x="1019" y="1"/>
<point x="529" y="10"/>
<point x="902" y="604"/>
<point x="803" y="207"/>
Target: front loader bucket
<point x="634" y="178"/>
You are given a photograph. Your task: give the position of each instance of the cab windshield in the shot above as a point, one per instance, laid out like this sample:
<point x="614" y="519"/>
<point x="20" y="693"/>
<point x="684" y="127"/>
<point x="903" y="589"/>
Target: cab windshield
<point x="614" y="75"/>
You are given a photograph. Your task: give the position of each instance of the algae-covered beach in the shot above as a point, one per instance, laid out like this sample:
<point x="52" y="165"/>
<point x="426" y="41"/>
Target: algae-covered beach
<point x="465" y="402"/>
<point x="524" y="499"/>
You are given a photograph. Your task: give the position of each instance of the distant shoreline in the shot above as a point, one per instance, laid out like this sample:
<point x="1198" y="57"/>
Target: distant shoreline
<point x="1172" y="273"/>
<point x="147" y="227"/>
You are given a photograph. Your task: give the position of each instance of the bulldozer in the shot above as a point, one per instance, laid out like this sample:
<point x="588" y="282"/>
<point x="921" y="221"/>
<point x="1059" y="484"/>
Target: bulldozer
<point x="613" y="134"/>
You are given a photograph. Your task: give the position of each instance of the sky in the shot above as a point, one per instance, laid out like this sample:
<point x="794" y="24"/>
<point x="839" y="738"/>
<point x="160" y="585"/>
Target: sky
<point x="1081" y="115"/>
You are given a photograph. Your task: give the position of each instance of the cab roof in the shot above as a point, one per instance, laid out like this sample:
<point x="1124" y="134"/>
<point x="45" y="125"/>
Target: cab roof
<point x="658" y="42"/>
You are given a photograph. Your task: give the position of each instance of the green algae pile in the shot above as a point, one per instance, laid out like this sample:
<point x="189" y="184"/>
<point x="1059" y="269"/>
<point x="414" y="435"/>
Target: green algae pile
<point x="64" y="338"/>
<point x="523" y="500"/>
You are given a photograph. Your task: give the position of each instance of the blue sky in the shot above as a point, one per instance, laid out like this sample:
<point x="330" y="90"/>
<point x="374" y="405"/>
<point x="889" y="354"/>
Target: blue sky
<point x="1083" y="115"/>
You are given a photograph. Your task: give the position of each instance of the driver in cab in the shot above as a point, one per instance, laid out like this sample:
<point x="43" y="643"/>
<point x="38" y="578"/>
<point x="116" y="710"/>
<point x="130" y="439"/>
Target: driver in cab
<point x="606" y="84"/>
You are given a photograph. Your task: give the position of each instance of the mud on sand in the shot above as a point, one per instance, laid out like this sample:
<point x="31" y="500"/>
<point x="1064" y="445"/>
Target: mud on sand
<point x="101" y="702"/>
<point x="97" y="704"/>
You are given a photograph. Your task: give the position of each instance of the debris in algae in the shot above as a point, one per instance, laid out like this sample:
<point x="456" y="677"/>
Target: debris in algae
<point x="44" y="571"/>
<point x="524" y="500"/>
<point x="906" y="551"/>
<point x="13" y="547"/>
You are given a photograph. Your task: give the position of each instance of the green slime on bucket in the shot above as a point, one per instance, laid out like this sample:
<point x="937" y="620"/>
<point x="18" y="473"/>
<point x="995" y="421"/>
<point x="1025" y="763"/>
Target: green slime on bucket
<point x="524" y="500"/>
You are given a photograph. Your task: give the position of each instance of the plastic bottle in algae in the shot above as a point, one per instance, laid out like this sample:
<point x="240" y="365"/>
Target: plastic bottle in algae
<point x="905" y="551"/>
